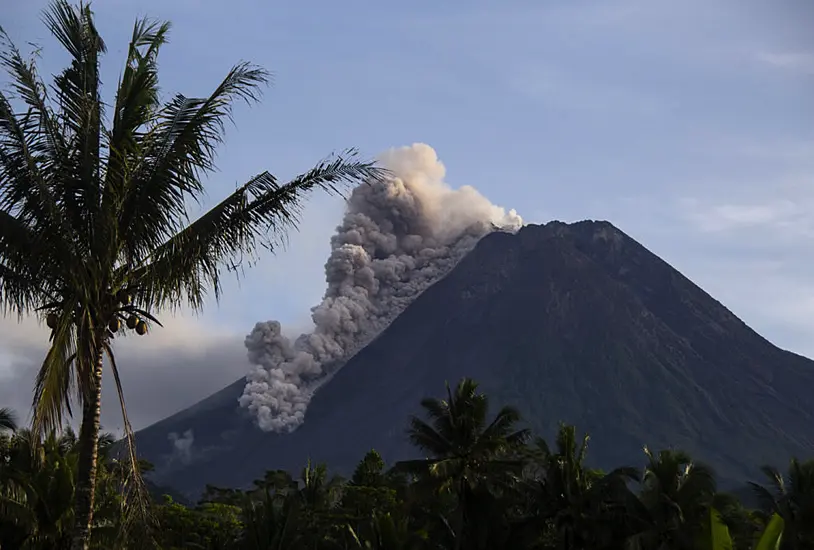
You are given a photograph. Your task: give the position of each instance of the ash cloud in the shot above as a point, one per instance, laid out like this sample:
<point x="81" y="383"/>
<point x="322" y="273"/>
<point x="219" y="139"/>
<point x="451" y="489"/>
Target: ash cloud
<point x="396" y="239"/>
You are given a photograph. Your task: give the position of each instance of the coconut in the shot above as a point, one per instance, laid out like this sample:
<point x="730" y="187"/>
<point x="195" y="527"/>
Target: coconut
<point x="141" y="328"/>
<point x="51" y="320"/>
<point x="114" y="325"/>
<point x="132" y="321"/>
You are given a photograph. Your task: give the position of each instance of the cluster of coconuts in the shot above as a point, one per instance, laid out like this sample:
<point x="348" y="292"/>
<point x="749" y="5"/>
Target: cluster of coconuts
<point x="132" y="322"/>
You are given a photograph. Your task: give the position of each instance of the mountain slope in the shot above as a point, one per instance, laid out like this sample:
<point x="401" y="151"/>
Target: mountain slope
<point x="576" y="323"/>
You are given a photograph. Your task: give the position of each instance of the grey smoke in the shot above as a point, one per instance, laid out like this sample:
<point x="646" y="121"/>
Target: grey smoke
<point x="396" y="239"/>
<point x="182" y="446"/>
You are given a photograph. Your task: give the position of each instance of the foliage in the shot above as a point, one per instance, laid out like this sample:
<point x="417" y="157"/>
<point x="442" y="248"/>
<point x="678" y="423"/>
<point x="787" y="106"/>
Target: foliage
<point x="482" y="486"/>
<point x="37" y="489"/>
<point x="208" y="525"/>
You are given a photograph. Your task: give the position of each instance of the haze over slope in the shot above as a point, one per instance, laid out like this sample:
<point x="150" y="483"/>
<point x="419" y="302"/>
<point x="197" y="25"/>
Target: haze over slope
<point x="575" y="323"/>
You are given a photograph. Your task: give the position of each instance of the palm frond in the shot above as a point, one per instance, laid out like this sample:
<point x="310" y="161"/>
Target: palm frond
<point x="26" y="267"/>
<point x="435" y="409"/>
<point x="77" y="92"/>
<point x="765" y="498"/>
<point x="503" y="422"/>
<point x="137" y="99"/>
<point x="177" y="151"/>
<point x="137" y="499"/>
<point x="189" y="265"/>
<point x="32" y="152"/>
<point x="43" y="137"/>
<point x="423" y="436"/>
<point x="8" y="420"/>
<point x="775" y="478"/>
<point x="55" y="379"/>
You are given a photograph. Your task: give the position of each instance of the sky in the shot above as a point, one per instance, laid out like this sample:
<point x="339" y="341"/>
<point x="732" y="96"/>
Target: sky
<point x="688" y="124"/>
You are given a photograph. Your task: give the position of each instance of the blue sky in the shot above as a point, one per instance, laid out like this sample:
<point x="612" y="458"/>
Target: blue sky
<point x="689" y="125"/>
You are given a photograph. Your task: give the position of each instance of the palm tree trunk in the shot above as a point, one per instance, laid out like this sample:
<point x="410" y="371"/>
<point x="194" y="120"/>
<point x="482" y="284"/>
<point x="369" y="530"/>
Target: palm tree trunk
<point x="88" y="453"/>
<point x="462" y="540"/>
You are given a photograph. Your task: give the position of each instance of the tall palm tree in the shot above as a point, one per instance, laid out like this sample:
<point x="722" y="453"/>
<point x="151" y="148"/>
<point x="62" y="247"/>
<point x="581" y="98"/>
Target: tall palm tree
<point x="466" y="453"/>
<point x="94" y="227"/>
<point x="792" y="498"/>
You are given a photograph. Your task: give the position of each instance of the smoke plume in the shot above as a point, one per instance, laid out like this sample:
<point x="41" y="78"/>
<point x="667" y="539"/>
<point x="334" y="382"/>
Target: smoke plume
<point x="182" y="446"/>
<point x="397" y="238"/>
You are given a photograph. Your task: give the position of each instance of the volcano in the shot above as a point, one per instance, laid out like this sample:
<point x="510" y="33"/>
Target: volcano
<point x="576" y="323"/>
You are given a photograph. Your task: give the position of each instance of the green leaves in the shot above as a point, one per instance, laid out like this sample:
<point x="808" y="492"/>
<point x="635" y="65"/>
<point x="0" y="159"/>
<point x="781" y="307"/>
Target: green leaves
<point x="558" y="503"/>
<point x="188" y="265"/>
<point x="178" y="150"/>
<point x="772" y="536"/>
<point x="716" y="533"/>
<point x="38" y="478"/>
<point x="77" y="94"/>
<point x="209" y="525"/>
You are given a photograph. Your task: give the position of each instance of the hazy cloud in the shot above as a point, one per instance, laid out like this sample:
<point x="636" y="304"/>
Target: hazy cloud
<point x="779" y="215"/>
<point x="799" y="62"/>
<point x="162" y="373"/>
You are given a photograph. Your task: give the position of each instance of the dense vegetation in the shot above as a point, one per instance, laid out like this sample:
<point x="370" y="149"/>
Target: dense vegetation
<point x="484" y="484"/>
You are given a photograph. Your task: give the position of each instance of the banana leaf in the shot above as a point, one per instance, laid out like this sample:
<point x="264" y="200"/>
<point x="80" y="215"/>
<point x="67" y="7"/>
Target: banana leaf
<point x="772" y="535"/>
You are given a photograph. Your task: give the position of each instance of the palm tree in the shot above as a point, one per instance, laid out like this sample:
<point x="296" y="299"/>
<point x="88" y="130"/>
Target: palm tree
<point x="461" y="446"/>
<point x="584" y="506"/>
<point x="674" y="502"/>
<point x="94" y="228"/>
<point x="37" y="484"/>
<point x="792" y="498"/>
<point x="467" y="455"/>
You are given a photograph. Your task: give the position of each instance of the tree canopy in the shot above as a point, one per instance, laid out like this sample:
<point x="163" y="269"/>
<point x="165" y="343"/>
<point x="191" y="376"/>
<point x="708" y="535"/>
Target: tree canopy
<point x="496" y="489"/>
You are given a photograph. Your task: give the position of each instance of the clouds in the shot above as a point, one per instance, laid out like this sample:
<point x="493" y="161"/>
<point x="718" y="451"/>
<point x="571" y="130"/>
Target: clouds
<point x="162" y="373"/>
<point x="771" y="199"/>
<point x="779" y="216"/>
<point x="795" y="62"/>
